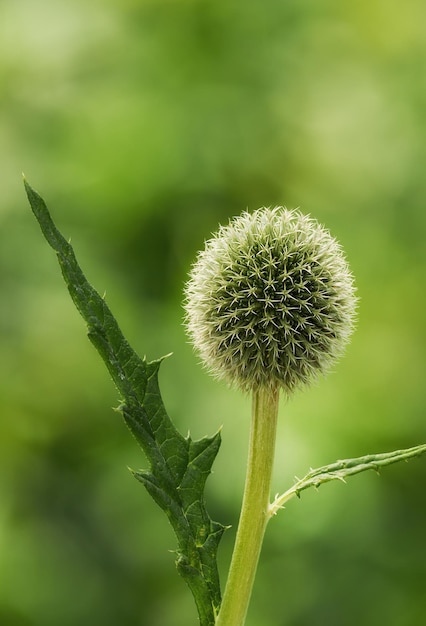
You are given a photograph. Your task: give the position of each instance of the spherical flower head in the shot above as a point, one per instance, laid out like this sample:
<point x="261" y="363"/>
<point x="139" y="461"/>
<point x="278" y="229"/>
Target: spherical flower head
<point x="270" y="301"/>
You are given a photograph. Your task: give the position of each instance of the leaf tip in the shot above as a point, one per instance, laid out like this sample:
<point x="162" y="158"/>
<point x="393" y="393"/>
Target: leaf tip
<point x="27" y="186"/>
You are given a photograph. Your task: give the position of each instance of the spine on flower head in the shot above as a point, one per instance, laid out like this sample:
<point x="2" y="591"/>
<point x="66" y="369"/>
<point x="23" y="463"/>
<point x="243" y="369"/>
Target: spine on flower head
<point x="270" y="302"/>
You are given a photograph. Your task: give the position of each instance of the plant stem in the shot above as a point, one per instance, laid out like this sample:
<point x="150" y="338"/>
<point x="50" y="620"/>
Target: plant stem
<point x="254" y="512"/>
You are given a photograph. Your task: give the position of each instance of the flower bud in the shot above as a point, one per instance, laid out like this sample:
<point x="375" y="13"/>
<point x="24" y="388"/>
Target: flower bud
<point x="270" y="301"/>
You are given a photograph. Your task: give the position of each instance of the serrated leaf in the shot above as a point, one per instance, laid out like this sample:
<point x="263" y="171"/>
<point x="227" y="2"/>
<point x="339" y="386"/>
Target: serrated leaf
<point x="179" y="466"/>
<point x="340" y="470"/>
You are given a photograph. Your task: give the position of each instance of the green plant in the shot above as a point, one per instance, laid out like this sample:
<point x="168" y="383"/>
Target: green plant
<point x="269" y="304"/>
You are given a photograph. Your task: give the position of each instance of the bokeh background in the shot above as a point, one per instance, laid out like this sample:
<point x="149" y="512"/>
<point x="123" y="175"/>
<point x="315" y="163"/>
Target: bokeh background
<point x="144" y="124"/>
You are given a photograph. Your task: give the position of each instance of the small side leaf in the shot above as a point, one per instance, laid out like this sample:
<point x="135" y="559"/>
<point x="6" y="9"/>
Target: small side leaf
<point x="179" y="466"/>
<point x="342" y="469"/>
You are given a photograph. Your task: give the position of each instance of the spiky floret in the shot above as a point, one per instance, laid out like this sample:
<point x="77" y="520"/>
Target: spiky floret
<point x="270" y="301"/>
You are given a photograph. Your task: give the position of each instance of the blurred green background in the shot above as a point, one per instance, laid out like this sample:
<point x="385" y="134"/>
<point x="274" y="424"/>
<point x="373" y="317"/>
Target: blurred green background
<point x="145" y="124"/>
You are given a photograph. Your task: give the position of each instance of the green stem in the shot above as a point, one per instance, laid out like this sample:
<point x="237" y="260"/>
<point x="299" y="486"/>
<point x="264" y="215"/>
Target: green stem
<point x="254" y="512"/>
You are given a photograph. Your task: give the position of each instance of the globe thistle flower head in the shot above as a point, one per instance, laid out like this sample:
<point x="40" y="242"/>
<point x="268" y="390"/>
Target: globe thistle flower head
<point x="270" y="302"/>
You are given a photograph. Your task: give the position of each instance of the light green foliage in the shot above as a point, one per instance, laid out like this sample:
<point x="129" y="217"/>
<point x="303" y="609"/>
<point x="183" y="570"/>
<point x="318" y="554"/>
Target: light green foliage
<point x="179" y="466"/>
<point x="342" y="470"/>
<point x="270" y="301"/>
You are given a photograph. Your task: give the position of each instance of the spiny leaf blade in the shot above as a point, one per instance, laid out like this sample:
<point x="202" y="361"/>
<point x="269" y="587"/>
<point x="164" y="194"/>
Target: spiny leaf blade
<point x="340" y="470"/>
<point x="179" y="466"/>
